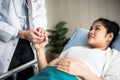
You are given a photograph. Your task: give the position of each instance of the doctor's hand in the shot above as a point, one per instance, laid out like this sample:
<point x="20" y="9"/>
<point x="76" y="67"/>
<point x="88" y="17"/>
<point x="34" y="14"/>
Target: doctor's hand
<point x="32" y="35"/>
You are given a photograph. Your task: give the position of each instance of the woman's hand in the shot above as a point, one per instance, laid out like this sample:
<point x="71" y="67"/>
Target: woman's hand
<point x="73" y="67"/>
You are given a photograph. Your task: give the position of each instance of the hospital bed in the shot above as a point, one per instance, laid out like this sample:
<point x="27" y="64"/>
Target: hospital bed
<point x="79" y="38"/>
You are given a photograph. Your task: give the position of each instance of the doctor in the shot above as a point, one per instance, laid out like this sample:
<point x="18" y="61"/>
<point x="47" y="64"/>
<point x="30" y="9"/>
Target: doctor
<point x="20" y="24"/>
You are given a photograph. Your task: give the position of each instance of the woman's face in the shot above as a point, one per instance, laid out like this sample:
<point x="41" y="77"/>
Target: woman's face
<point x="97" y="36"/>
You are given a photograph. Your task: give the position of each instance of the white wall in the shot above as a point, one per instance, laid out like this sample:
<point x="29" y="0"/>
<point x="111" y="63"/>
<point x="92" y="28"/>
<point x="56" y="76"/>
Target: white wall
<point x="81" y="13"/>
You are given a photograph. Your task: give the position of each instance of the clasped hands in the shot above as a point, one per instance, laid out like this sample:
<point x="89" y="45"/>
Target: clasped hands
<point x="40" y="38"/>
<point x="33" y="35"/>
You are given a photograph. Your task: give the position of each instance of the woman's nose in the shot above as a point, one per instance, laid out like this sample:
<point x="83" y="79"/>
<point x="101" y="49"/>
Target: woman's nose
<point x="91" y="31"/>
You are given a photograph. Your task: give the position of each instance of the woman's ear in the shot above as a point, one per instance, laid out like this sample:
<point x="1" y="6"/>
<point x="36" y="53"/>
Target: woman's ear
<point x="110" y="36"/>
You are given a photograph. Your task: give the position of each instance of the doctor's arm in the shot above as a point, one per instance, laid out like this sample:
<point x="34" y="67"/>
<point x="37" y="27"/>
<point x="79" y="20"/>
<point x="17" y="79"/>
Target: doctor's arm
<point x="8" y="32"/>
<point x="32" y="35"/>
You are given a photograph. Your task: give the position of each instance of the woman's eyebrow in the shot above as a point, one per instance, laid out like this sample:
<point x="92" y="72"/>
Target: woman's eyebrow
<point x="97" y="25"/>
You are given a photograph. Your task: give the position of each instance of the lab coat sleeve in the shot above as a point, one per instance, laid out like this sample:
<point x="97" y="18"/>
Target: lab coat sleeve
<point x="7" y="32"/>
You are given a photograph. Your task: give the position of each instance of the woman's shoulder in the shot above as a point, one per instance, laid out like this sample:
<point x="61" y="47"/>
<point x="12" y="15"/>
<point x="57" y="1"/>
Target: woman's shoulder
<point x="116" y="53"/>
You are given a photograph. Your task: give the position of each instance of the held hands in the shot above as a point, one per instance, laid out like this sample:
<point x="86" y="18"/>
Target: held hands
<point x="41" y="40"/>
<point x="33" y="35"/>
<point x="37" y="36"/>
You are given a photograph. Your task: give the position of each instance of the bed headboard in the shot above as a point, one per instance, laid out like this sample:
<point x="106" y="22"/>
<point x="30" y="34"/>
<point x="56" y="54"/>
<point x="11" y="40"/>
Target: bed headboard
<point x="79" y="38"/>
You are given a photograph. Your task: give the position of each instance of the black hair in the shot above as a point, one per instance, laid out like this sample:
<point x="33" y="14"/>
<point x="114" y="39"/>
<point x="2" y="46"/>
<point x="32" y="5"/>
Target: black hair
<point x="111" y="26"/>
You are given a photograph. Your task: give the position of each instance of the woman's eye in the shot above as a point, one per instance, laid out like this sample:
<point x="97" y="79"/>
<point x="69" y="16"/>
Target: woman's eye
<point x="97" y="28"/>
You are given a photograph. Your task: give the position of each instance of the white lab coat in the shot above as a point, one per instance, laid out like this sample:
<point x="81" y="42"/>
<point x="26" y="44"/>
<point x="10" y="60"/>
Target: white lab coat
<point x="10" y="25"/>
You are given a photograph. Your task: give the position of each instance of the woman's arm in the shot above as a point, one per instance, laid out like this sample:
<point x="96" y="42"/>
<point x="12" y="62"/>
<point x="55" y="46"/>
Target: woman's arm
<point x="40" y="49"/>
<point x="41" y="58"/>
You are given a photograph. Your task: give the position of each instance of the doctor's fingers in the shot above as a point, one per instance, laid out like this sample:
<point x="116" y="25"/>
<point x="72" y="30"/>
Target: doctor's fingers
<point x="42" y="32"/>
<point x="40" y="40"/>
<point x="38" y="35"/>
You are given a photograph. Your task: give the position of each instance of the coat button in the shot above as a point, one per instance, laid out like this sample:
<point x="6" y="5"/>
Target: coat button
<point x="0" y="16"/>
<point x="8" y="60"/>
<point x="13" y="44"/>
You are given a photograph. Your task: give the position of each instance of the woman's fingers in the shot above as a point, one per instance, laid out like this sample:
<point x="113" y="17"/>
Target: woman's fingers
<point x="63" y="65"/>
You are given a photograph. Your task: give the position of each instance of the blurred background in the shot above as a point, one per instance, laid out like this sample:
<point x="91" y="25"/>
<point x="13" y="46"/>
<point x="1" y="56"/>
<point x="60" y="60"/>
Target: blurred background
<point x="81" y="13"/>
